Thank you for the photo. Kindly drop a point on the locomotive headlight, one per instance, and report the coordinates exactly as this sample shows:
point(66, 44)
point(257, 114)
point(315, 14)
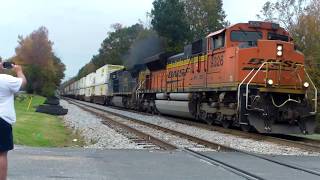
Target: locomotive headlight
point(279, 47)
point(270, 82)
point(279, 53)
point(279, 50)
point(306, 84)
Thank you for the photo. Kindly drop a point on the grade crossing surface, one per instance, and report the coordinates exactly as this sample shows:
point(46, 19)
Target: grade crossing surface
point(66, 163)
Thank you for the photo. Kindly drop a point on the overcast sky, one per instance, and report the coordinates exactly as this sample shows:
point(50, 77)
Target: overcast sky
point(77, 27)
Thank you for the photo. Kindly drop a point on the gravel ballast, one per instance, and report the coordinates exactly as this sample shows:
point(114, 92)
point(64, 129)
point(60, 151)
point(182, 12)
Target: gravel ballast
point(96, 134)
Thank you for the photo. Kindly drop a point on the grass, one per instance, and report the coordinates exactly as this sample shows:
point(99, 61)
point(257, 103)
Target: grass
point(41, 130)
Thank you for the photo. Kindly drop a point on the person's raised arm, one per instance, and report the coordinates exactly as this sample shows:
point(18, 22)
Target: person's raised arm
point(18, 70)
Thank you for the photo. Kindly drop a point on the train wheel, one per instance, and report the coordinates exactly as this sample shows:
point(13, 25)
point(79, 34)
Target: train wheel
point(209, 121)
point(226, 123)
point(205, 117)
point(246, 128)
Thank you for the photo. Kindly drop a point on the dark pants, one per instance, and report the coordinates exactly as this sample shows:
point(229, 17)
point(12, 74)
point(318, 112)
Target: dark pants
point(6, 137)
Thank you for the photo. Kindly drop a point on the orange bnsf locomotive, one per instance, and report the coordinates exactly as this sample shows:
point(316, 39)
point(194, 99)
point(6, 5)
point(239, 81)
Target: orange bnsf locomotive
point(249, 75)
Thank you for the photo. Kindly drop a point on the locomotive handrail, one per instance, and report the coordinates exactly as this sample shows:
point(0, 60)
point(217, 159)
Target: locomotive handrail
point(298, 75)
point(138, 87)
point(238, 104)
point(247, 87)
point(258, 70)
point(315, 93)
point(239, 89)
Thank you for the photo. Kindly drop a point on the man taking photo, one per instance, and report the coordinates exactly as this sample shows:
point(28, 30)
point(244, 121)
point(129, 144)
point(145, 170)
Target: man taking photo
point(8, 86)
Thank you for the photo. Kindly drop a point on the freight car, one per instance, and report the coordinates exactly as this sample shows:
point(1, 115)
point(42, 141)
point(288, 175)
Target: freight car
point(82, 85)
point(91, 88)
point(249, 75)
point(101, 85)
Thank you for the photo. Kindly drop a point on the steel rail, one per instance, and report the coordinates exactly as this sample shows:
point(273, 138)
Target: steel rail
point(224, 165)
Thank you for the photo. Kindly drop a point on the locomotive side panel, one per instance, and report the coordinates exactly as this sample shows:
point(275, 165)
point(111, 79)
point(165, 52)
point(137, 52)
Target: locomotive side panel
point(158, 81)
point(221, 68)
point(198, 76)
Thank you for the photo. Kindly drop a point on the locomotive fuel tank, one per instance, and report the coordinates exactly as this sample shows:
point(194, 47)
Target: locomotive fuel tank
point(162, 96)
point(174, 108)
point(180, 96)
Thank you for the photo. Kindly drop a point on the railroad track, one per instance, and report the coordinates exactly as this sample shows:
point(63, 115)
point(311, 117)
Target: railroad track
point(143, 125)
point(216, 146)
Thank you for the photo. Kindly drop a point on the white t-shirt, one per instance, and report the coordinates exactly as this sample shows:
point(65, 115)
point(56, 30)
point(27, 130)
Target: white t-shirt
point(8, 86)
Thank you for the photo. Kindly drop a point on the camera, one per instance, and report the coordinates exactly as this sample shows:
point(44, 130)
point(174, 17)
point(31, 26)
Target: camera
point(7, 65)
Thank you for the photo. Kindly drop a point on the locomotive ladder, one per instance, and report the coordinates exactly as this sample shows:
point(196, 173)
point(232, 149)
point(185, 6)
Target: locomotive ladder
point(279, 74)
point(138, 88)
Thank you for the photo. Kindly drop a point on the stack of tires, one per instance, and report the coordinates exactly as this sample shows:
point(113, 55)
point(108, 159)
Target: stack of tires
point(52, 106)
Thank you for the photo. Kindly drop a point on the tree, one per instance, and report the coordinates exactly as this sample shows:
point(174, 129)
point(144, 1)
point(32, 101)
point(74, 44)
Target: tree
point(44, 70)
point(59, 69)
point(307, 36)
point(285, 12)
point(204, 16)
point(170, 21)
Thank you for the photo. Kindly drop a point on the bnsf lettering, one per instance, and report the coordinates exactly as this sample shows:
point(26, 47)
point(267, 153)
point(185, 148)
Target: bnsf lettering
point(286, 64)
point(255, 61)
point(217, 60)
point(178, 73)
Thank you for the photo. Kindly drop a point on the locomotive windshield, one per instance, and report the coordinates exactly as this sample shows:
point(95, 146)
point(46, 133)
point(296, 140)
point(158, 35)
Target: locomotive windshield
point(274, 36)
point(246, 36)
